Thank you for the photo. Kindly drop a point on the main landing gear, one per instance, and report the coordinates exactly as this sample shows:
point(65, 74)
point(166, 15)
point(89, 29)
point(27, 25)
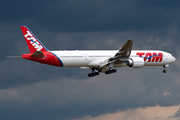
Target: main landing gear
point(93, 73)
point(111, 70)
point(165, 66)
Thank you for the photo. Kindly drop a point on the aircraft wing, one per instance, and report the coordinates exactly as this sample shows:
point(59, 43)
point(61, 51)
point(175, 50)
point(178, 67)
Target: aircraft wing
point(125, 51)
point(121, 56)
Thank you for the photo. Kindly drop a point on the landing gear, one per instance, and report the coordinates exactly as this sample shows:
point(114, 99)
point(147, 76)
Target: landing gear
point(94, 72)
point(111, 70)
point(164, 71)
point(165, 66)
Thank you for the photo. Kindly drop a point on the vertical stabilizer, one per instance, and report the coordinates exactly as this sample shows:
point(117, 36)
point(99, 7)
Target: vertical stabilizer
point(32, 41)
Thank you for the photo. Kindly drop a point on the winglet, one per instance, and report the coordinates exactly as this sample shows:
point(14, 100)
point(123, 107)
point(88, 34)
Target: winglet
point(32, 41)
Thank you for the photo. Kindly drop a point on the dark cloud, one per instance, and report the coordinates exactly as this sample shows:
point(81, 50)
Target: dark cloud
point(105, 16)
point(29, 90)
point(165, 4)
point(67, 98)
point(80, 15)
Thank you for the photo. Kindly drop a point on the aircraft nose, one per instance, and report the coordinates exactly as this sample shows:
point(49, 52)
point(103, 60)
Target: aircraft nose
point(173, 59)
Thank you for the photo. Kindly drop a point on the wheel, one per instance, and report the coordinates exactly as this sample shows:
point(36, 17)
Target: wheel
point(97, 73)
point(94, 74)
point(107, 72)
point(89, 75)
point(111, 71)
point(114, 70)
point(164, 71)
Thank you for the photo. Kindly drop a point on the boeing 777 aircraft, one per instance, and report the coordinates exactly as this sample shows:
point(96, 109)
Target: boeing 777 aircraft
point(104, 61)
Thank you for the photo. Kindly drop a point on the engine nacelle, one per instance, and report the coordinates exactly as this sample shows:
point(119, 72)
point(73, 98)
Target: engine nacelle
point(135, 62)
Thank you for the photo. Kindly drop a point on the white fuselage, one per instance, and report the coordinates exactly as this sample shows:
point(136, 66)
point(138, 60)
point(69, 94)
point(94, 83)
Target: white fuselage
point(93, 58)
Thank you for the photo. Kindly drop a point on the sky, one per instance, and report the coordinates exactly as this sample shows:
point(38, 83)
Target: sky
point(32, 91)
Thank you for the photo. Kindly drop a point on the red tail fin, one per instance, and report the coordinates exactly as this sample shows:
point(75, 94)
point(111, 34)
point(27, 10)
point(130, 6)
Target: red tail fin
point(32, 41)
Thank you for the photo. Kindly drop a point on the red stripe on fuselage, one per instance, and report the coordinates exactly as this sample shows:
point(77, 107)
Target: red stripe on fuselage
point(48, 58)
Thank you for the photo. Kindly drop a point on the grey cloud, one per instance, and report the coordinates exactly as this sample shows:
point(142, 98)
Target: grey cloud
point(165, 4)
point(148, 113)
point(99, 95)
point(80, 15)
point(177, 114)
point(29, 89)
point(106, 16)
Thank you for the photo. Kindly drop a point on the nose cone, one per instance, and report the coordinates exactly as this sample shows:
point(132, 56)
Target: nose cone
point(173, 59)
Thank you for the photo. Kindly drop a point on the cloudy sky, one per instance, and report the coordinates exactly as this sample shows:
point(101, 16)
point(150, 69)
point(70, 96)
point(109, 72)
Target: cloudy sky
point(31, 91)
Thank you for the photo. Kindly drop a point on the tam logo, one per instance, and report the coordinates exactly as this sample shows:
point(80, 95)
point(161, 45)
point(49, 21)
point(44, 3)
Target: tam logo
point(151, 57)
point(33, 41)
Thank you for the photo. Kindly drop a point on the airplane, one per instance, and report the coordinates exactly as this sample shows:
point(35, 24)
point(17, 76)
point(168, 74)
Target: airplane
point(98, 61)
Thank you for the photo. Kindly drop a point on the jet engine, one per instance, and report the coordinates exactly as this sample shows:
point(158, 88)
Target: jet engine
point(136, 62)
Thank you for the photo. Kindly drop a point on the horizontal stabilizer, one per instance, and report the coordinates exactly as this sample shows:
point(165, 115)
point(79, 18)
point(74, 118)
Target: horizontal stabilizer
point(38, 54)
point(13, 57)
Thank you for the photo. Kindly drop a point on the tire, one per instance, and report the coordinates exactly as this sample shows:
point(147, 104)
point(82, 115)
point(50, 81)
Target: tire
point(107, 72)
point(89, 75)
point(114, 70)
point(94, 74)
point(97, 73)
point(164, 71)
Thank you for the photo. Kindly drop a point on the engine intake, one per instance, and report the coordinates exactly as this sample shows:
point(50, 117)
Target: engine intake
point(135, 62)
